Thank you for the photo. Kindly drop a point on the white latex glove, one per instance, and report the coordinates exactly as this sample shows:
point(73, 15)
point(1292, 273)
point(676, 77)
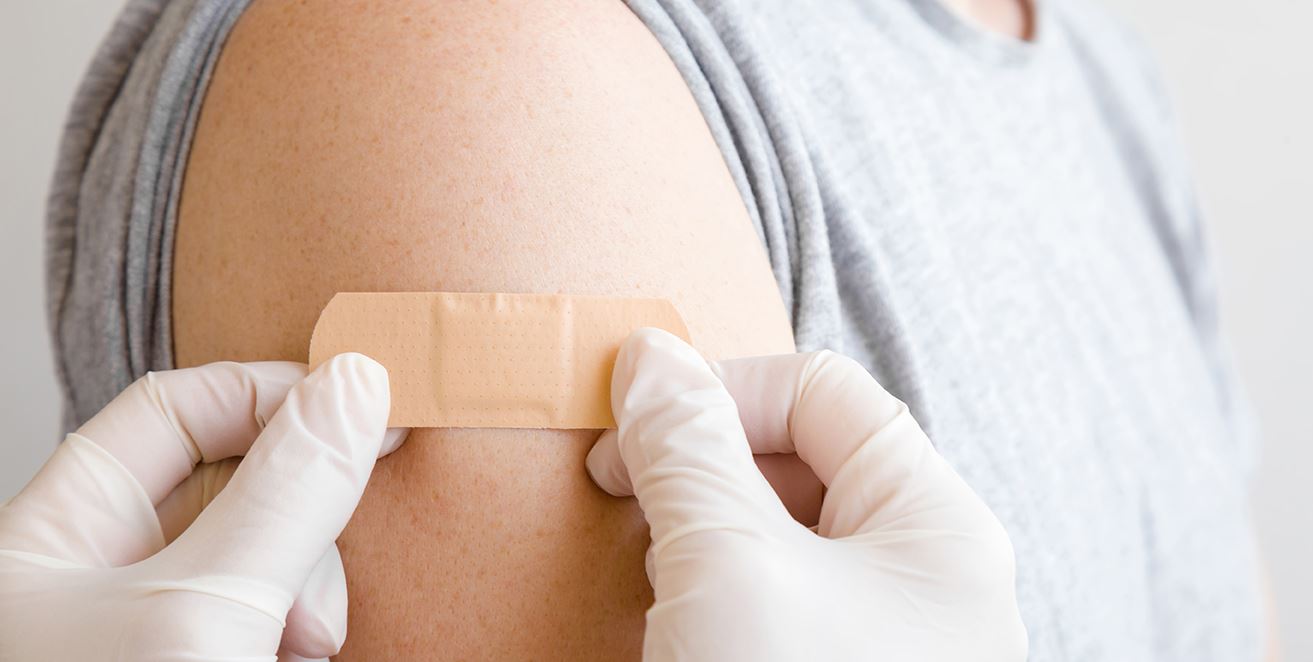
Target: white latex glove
point(87, 569)
point(907, 562)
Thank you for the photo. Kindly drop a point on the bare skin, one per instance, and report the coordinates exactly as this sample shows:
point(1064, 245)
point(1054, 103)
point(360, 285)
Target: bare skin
point(467, 146)
point(1012, 18)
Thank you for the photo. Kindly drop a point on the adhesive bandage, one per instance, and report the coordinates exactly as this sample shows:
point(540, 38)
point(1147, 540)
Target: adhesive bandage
point(491, 360)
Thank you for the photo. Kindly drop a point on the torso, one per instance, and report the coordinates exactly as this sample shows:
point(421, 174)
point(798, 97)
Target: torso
point(1014, 251)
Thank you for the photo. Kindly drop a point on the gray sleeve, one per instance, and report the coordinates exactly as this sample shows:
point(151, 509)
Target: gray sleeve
point(713, 46)
point(113, 201)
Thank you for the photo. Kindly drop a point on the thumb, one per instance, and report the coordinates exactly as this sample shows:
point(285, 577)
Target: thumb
point(292, 495)
point(682, 445)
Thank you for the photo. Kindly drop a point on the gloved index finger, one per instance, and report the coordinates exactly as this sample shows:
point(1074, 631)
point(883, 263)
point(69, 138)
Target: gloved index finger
point(880, 469)
point(765, 388)
point(93, 503)
point(820, 405)
point(293, 493)
point(165, 423)
point(681, 443)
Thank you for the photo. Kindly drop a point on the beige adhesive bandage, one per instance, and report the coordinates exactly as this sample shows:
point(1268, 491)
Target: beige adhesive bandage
point(491, 360)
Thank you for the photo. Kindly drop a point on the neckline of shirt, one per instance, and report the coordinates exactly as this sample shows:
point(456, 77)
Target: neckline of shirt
point(986, 45)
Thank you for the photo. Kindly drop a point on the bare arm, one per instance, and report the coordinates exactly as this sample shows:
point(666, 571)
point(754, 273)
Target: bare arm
point(515, 147)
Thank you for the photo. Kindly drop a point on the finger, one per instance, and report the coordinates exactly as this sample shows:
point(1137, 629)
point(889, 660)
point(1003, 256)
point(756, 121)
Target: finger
point(795, 484)
point(81, 508)
point(316, 624)
point(393, 438)
point(294, 492)
point(285, 656)
point(881, 470)
point(179, 509)
point(763, 390)
point(680, 440)
point(820, 405)
point(605, 466)
point(167, 422)
point(793, 481)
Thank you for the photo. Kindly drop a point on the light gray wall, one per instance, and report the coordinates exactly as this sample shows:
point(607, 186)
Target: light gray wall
point(1242, 77)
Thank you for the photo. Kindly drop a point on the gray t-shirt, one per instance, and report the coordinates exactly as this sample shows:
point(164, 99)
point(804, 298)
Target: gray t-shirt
point(1002, 231)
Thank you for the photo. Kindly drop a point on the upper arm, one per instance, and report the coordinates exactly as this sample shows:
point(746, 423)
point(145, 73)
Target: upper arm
point(478, 147)
point(466, 146)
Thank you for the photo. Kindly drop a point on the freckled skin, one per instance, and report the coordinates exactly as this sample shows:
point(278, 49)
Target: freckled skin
point(465, 146)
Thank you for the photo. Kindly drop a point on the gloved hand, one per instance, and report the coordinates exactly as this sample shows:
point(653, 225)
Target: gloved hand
point(89, 569)
point(907, 562)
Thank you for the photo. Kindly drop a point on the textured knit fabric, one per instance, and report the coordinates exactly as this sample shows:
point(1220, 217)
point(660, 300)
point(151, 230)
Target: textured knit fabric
point(1002, 231)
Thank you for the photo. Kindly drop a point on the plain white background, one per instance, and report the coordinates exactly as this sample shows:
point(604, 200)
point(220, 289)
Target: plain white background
point(1242, 78)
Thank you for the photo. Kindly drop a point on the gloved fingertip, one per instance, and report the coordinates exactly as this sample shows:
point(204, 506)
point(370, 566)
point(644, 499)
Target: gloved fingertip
point(606, 468)
point(350, 382)
point(650, 339)
point(358, 365)
point(393, 438)
point(651, 351)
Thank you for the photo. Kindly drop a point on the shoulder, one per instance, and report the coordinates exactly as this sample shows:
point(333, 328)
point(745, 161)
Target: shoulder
point(425, 55)
point(478, 146)
point(466, 96)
